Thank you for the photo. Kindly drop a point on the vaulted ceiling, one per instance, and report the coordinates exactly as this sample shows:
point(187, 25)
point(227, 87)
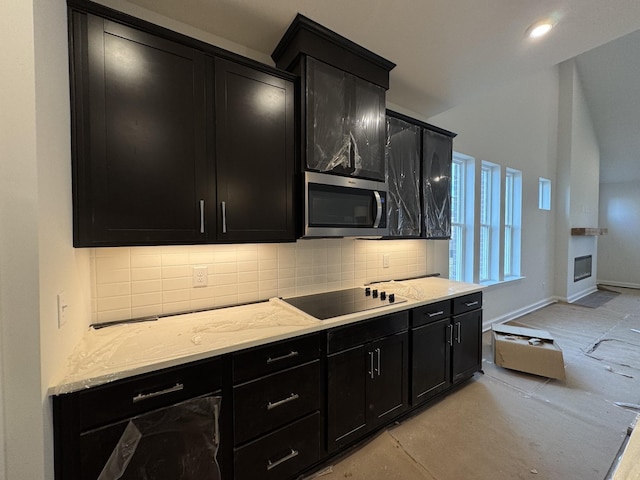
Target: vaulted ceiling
point(448, 51)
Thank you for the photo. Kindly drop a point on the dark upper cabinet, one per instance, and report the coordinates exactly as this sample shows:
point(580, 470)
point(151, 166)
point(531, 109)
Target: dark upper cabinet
point(403, 148)
point(344, 123)
point(436, 183)
point(139, 136)
point(419, 159)
point(343, 89)
point(167, 130)
point(254, 144)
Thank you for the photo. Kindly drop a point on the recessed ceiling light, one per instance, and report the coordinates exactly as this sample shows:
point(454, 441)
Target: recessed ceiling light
point(539, 29)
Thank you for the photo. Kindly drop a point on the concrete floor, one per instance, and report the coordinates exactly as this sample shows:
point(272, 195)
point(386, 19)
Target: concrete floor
point(510, 425)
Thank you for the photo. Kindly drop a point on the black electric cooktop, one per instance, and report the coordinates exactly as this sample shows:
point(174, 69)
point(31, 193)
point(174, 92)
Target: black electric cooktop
point(343, 302)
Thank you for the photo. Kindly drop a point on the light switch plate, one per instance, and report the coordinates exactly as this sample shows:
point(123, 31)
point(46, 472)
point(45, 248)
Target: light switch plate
point(63, 306)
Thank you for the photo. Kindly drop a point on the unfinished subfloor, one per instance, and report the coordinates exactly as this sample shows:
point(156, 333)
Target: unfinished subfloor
point(509, 425)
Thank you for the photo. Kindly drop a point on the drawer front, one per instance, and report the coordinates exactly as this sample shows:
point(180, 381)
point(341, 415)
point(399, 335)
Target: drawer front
point(467, 303)
point(270, 402)
point(430, 313)
point(342, 338)
point(281, 454)
point(129, 397)
point(261, 361)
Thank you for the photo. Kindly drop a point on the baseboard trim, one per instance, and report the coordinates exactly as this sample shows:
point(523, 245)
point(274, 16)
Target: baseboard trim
point(486, 326)
point(613, 283)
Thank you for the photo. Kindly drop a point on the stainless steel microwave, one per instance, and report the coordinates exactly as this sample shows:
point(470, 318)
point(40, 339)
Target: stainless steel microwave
point(337, 206)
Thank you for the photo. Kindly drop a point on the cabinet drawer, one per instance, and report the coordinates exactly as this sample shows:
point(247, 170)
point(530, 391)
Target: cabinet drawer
point(430, 313)
point(129, 397)
point(342, 338)
point(281, 454)
point(272, 401)
point(467, 303)
point(261, 361)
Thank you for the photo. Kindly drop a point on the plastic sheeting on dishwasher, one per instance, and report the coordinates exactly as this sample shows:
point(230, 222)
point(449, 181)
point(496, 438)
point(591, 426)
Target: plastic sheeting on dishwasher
point(179, 442)
point(403, 178)
point(345, 123)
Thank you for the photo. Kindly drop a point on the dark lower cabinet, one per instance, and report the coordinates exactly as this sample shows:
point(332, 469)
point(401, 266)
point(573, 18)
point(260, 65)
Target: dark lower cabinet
point(367, 384)
point(277, 409)
point(158, 426)
point(467, 345)
point(430, 360)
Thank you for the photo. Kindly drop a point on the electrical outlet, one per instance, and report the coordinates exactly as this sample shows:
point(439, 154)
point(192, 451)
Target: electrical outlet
point(200, 276)
point(386, 260)
point(63, 306)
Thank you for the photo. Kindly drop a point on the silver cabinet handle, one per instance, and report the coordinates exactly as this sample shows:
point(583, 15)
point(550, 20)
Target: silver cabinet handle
point(290, 398)
point(371, 364)
point(224, 216)
point(291, 354)
point(216, 432)
point(435, 314)
point(270, 464)
point(471, 304)
point(201, 216)
point(458, 331)
point(450, 329)
point(147, 396)
point(378, 209)
point(378, 354)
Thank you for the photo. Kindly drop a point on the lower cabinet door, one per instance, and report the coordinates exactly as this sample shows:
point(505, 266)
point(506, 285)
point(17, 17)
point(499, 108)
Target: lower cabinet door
point(281, 454)
point(387, 386)
point(347, 396)
point(430, 360)
point(467, 345)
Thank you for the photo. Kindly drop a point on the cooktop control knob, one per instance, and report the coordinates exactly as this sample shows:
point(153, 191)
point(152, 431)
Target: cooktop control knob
point(375, 293)
point(383, 295)
point(367, 291)
point(392, 297)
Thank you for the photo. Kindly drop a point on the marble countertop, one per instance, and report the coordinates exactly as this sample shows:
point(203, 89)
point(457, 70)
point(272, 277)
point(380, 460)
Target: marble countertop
point(124, 350)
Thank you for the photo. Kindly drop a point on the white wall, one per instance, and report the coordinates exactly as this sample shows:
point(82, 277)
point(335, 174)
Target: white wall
point(516, 126)
point(36, 256)
point(618, 258)
point(578, 185)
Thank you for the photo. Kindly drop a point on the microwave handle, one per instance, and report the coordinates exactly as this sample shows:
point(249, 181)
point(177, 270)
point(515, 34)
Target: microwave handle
point(378, 209)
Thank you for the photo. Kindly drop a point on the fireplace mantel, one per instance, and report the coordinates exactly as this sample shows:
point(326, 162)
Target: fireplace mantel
point(589, 231)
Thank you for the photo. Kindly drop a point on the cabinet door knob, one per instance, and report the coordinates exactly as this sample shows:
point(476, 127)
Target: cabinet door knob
point(223, 205)
point(371, 364)
point(201, 216)
point(147, 396)
point(291, 354)
point(378, 355)
point(450, 330)
point(458, 332)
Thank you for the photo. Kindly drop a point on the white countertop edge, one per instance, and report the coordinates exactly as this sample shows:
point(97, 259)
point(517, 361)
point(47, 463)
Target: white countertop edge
point(69, 386)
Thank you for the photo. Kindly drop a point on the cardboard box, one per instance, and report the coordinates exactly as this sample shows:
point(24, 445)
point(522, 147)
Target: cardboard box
point(527, 350)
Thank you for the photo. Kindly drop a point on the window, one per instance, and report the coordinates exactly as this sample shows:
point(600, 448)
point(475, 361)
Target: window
point(544, 194)
point(461, 243)
point(489, 222)
point(512, 222)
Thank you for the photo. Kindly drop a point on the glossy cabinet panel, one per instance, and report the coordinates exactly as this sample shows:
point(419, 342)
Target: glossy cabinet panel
point(436, 186)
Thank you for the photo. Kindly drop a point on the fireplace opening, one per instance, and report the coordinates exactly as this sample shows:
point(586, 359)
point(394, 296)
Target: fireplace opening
point(581, 268)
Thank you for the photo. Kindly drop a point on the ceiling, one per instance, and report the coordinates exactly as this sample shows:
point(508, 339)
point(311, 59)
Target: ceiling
point(448, 51)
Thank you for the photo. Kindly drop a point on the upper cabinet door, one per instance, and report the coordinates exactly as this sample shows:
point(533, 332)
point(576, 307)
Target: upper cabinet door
point(436, 189)
point(404, 211)
point(345, 122)
point(254, 144)
point(139, 137)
